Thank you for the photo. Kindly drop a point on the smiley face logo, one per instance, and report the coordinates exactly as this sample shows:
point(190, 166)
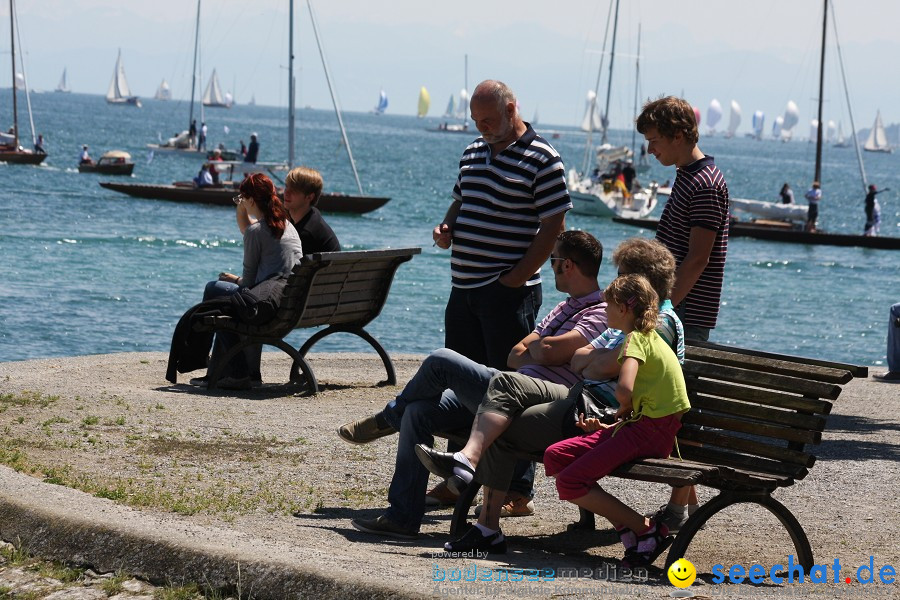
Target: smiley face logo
point(682, 573)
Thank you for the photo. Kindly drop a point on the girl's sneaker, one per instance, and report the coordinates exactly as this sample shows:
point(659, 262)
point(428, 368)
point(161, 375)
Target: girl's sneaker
point(650, 545)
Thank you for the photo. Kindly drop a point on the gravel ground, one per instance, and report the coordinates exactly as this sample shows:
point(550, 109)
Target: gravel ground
point(267, 463)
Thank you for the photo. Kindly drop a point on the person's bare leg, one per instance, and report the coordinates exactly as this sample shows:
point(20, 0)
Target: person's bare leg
point(487, 427)
point(490, 509)
point(600, 502)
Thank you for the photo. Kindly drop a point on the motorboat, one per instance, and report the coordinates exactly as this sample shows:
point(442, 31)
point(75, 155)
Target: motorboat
point(114, 162)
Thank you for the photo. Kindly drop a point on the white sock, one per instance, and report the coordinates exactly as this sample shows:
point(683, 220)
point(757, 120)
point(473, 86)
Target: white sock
point(488, 532)
point(462, 473)
point(677, 510)
point(692, 508)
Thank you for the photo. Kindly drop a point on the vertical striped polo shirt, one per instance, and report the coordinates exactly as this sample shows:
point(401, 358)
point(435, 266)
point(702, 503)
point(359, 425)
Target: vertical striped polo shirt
point(503, 200)
point(699, 199)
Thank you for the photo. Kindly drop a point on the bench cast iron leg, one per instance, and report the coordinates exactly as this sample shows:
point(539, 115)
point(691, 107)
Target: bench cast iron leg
point(388, 365)
point(726, 499)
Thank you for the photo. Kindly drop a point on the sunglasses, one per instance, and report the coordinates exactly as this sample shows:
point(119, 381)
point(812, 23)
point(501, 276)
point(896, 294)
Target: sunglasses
point(238, 199)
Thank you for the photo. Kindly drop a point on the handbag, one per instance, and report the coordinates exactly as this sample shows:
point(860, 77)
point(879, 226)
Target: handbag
point(595, 402)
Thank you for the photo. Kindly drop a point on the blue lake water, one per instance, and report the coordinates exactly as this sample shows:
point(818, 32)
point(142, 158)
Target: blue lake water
point(90, 271)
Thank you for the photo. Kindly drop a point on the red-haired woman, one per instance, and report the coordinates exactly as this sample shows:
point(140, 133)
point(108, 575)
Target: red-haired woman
point(271, 249)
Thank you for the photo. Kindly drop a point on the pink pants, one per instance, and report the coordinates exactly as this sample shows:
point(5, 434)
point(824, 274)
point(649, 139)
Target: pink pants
point(579, 462)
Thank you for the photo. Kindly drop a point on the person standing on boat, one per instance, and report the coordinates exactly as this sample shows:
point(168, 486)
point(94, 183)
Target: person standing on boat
point(201, 143)
point(873, 211)
point(787, 194)
point(694, 227)
point(192, 133)
point(509, 204)
point(39, 145)
point(243, 150)
point(85, 158)
point(813, 196)
point(253, 150)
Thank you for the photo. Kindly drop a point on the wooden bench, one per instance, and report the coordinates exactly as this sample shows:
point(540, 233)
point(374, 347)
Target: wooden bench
point(343, 290)
point(754, 418)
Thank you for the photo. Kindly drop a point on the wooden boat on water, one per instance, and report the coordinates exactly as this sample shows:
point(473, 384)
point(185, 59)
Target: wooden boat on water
point(222, 194)
point(785, 232)
point(114, 162)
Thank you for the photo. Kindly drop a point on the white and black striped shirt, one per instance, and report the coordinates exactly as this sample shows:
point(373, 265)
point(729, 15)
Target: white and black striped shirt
point(503, 200)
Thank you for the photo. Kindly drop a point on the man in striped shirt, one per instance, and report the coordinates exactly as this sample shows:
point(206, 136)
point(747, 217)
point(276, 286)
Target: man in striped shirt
point(448, 388)
point(694, 223)
point(509, 204)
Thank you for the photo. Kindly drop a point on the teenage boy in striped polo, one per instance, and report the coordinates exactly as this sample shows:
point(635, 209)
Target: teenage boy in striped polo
point(694, 227)
point(509, 204)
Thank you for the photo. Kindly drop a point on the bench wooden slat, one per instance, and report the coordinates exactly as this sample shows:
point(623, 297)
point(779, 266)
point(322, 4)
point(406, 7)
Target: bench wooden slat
point(750, 463)
point(788, 434)
point(774, 381)
point(759, 396)
point(763, 414)
point(752, 447)
point(855, 370)
point(768, 365)
point(659, 474)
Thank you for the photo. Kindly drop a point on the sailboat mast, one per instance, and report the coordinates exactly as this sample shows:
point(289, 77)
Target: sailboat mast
point(194, 71)
point(818, 175)
point(291, 115)
point(612, 61)
point(593, 107)
point(12, 44)
point(337, 110)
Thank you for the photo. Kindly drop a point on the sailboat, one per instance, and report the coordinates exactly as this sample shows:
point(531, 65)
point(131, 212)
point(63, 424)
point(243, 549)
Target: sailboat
point(841, 141)
point(713, 115)
point(603, 191)
point(183, 142)
point(10, 151)
point(877, 141)
point(424, 103)
point(458, 110)
point(163, 92)
point(382, 103)
point(798, 212)
point(213, 95)
point(63, 85)
point(758, 122)
point(119, 92)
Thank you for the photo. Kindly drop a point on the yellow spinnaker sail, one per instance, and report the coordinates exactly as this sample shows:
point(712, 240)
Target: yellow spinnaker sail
point(424, 102)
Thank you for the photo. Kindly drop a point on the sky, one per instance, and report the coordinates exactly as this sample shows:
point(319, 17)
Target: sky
point(761, 53)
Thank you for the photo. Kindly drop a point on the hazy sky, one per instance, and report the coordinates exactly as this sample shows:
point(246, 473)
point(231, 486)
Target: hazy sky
point(761, 53)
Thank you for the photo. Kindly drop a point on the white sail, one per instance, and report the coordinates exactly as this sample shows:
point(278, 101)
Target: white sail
point(813, 130)
point(790, 119)
point(840, 142)
point(118, 88)
point(63, 85)
point(830, 130)
point(213, 95)
point(462, 108)
point(734, 120)
point(877, 141)
point(591, 120)
point(163, 92)
point(759, 120)
point(713, 114)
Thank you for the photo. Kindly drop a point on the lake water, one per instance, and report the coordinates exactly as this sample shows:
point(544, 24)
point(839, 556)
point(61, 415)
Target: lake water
point(89, 271)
